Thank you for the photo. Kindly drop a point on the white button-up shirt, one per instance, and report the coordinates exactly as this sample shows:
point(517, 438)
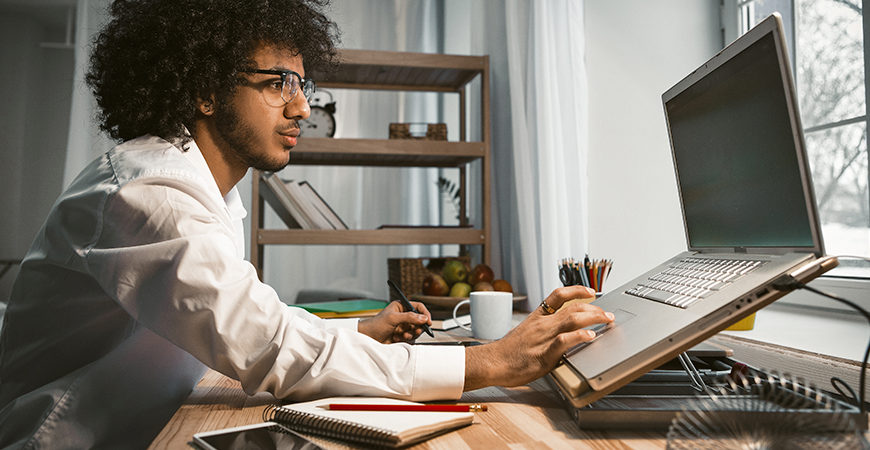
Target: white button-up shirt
point(137, 283)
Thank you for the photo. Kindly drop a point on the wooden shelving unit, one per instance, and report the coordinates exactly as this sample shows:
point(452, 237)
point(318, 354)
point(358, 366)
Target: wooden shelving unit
point(395, 71)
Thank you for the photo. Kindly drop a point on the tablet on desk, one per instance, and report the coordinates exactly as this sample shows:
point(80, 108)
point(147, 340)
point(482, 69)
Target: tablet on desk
point(262, 436)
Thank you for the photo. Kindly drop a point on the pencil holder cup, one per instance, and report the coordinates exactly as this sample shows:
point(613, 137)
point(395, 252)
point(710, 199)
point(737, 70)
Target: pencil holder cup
point(491, 314)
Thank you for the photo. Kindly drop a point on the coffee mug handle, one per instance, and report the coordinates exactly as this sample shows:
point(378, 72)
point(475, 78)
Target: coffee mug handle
point(456, 308)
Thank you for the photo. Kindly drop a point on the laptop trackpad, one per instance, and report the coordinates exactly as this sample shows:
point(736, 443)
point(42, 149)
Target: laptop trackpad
point(621, 316)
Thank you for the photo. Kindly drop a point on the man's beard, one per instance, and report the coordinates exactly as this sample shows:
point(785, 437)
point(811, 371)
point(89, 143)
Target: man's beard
point(242, 143)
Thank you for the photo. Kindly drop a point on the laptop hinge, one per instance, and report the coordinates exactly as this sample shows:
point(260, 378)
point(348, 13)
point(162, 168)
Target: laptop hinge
point(739, 249)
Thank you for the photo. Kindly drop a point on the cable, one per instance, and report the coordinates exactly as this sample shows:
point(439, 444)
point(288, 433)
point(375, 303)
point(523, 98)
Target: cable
point(789, 283)
point(862, 383)
point(836, 382)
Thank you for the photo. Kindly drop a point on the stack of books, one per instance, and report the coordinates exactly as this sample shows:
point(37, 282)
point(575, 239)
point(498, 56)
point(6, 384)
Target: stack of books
point(298, 204)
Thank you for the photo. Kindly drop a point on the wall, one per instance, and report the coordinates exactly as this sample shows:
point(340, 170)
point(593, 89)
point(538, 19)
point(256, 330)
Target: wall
point(635, 51)
point(35, 91)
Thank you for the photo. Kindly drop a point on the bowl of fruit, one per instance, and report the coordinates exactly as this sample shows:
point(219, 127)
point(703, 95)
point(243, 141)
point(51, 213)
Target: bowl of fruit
point(456, 282)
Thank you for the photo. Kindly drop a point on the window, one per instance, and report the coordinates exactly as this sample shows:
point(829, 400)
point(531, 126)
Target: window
point(826, 46)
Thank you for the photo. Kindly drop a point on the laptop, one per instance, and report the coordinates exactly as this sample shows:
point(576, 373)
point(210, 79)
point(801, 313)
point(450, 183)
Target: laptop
point(749, 213)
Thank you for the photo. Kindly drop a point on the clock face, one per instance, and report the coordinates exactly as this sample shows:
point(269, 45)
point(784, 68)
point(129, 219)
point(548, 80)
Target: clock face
point(320, 123)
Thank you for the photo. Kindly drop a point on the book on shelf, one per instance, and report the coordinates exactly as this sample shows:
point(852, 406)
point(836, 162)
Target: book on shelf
point(391, 429)
point(298, 204)
point(307, 207)
point(322, 206)
point(275, 192)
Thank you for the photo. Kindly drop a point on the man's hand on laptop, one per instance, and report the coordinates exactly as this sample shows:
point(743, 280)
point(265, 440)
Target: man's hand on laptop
point(534, 347)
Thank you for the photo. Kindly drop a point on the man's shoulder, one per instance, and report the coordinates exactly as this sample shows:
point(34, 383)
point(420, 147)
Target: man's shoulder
point(149, 156)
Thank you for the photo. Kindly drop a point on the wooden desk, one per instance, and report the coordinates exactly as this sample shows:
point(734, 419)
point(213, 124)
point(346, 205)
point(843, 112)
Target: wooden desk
point(524, 417)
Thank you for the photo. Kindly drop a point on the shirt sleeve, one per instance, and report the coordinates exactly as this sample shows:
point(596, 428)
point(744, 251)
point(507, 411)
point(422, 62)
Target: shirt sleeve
point(350, 324)
point(166, 255)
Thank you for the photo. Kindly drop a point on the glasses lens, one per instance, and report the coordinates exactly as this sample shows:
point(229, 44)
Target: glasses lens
point(291, 87)
point(308, 89)
point(273, 93)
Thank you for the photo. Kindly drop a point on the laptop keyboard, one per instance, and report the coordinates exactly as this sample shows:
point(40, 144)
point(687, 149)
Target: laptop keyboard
point(692, 279)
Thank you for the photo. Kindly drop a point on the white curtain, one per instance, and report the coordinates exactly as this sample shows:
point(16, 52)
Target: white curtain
point(551, 76)
point(85, 140)
point(539, 129)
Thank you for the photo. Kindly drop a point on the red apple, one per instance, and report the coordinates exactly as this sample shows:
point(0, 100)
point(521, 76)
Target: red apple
point(435, 285)
point(480, 272)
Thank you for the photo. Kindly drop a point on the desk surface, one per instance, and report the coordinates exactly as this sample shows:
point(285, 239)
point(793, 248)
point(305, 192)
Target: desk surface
point(530, 416)
point(518, 418)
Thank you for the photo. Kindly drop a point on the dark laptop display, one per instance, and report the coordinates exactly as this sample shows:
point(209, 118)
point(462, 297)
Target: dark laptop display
point(739, 177)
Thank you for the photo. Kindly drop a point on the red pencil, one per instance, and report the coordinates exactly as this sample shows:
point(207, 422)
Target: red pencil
point(440, 408)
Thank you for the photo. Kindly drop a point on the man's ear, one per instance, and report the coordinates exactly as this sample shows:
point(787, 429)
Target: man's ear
point(206, 106)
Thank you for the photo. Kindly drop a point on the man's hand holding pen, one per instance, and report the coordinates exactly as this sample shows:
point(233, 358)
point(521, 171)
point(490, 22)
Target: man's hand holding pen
point(396, 324)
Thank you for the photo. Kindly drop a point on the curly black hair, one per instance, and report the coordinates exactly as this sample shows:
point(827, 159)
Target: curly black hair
point(156, 58)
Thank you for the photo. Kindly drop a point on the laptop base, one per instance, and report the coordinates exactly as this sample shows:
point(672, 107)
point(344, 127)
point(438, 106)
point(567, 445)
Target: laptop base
point(653, 401)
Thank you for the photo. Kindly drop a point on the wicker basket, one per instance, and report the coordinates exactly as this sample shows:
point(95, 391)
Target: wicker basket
point(409, 273)
point(434, 131)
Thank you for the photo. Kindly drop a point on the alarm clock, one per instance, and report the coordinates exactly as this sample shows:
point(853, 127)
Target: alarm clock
point(321, 122)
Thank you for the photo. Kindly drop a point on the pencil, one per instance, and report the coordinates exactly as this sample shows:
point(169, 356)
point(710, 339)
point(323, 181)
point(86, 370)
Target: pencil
point(438, 408)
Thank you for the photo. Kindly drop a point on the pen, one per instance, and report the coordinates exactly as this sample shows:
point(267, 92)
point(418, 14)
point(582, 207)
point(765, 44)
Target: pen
point(407, 305)
point(436, 408)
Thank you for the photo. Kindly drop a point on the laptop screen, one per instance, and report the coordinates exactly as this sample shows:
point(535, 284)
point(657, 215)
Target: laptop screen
point(737, 159)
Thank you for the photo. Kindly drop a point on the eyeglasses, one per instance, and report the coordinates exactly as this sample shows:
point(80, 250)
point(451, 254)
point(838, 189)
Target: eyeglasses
point(283, 93)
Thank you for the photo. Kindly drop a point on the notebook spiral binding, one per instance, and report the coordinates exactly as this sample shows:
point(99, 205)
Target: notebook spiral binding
point(328, 427)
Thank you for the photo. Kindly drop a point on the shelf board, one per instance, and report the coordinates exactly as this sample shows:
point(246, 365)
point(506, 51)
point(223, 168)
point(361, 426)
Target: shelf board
point(391, 236)
point(385, 152)
point(402, 71)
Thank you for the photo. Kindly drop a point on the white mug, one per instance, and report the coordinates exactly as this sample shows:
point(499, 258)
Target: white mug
point(491, 314)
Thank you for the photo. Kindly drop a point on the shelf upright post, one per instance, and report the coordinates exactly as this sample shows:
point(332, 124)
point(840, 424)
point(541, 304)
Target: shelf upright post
point(486, 163)
point(257, 218)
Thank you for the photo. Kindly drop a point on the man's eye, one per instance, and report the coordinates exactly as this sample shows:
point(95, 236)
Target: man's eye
point(276, 85)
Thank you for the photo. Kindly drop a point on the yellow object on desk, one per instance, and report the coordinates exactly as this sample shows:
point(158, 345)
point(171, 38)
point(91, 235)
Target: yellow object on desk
point(745, 324)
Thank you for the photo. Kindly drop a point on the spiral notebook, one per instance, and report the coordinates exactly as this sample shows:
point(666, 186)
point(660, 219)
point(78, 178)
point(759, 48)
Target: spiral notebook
point(378, 428)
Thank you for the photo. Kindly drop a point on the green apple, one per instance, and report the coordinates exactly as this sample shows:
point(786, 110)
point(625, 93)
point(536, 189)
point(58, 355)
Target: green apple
point(460, 289)
point(454, 272)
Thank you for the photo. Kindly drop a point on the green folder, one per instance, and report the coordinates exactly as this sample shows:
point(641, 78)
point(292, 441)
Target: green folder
point(344, 308)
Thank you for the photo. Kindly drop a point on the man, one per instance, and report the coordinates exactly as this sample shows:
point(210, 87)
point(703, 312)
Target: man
point(136, 283)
